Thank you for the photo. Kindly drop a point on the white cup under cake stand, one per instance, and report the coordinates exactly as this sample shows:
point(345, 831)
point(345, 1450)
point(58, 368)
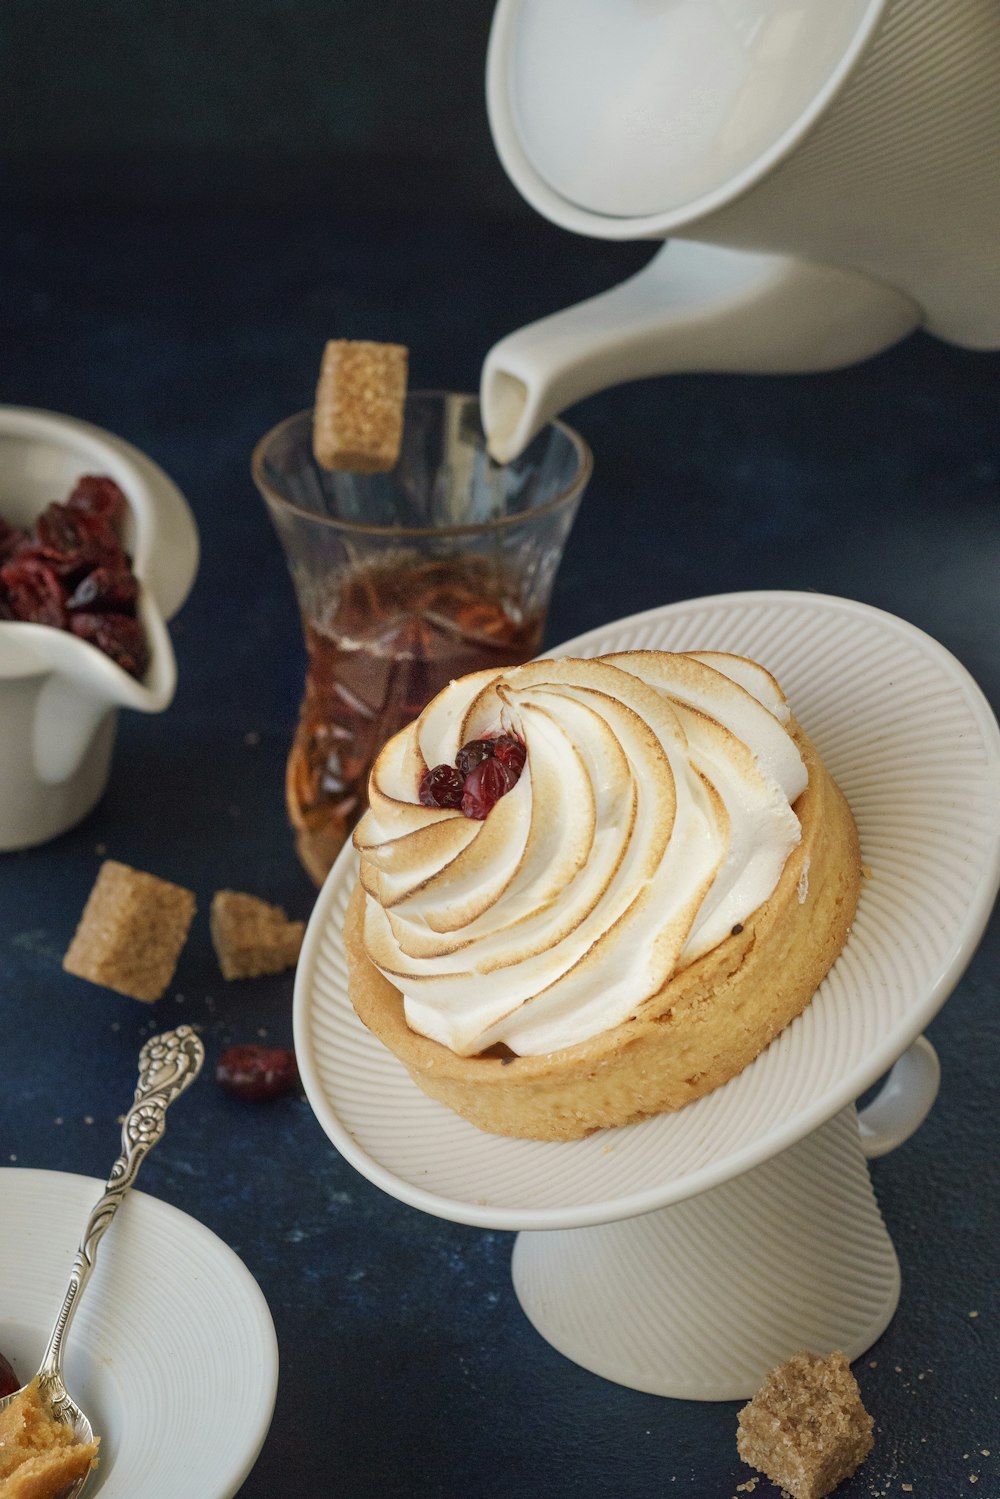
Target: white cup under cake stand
point(687, 1255)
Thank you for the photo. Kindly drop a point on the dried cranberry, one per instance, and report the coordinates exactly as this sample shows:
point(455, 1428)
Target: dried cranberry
point(510, 752)
point(257, 1072)
point(61, 539)
point(9, 1381)
point(112, 589)
point(441, 787)
point(100, 499)
point(34, 593)
point(484, 786)
point(473, 754)
point(117, 635)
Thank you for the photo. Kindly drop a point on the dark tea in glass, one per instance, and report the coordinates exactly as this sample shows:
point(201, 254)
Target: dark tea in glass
point(406, 580)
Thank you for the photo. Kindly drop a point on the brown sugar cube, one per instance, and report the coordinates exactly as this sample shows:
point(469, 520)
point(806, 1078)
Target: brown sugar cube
point(252, 938)
point(131, 932)
point(806, 1428)
point(358, 417)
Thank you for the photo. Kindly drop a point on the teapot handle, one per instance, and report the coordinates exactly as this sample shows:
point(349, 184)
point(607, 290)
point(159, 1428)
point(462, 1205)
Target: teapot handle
point(692, 307)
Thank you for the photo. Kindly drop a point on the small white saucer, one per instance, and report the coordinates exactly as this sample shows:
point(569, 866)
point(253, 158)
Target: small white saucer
point(172, 1352)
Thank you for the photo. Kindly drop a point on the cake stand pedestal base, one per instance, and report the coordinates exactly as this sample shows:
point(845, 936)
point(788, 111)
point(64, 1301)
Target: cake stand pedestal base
point(699, 1300)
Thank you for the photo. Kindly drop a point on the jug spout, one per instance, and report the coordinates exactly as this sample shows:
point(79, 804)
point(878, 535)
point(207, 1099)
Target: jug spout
point(693, 307)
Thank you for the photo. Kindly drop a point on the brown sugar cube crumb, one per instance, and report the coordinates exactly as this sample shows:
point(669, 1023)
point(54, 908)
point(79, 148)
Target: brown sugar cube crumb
point(131, 932)
point(252, 938)
point(39, 1455)
point(806, 1428)
point(358, 417)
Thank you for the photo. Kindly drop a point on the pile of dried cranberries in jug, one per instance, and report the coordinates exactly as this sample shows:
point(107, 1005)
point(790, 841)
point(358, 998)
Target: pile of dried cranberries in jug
point(71, 570)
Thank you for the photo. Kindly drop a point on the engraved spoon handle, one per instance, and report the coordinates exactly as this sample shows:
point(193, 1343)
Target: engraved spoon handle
point(167, 1065)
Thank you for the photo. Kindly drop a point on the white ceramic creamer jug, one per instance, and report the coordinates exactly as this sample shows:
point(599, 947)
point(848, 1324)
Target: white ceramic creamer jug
point(60, 695)
point(828, 172)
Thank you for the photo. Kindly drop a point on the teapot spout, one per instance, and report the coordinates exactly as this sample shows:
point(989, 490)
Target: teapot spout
point(693, 307)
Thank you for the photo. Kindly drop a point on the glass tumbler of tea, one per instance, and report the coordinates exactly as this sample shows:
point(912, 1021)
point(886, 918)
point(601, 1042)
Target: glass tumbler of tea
point(404, 580)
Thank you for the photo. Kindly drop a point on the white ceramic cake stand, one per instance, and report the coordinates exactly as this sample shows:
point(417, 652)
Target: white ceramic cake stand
point(688, 1254)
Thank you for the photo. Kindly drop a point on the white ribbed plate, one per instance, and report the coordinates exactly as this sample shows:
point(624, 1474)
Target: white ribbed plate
point(172, 1352)
point(913, 743)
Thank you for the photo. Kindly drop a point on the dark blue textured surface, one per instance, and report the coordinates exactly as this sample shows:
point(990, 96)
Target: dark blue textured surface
point(400, 1333)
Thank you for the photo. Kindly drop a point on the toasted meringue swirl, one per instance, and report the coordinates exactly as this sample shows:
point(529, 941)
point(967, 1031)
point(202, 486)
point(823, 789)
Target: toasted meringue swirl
point(654, 814)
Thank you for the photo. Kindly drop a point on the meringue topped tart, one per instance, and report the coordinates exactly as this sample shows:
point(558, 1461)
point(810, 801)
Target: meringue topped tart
point(594, 890)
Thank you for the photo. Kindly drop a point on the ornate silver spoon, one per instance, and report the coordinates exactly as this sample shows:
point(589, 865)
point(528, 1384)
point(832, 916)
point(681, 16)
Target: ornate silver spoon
point(167, 1064)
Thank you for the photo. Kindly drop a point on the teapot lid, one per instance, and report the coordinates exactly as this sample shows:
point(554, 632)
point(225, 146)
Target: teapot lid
point(631, 108)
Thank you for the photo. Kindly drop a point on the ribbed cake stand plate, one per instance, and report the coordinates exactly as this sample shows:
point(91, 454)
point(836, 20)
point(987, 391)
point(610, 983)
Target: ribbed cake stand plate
point(688, 1254)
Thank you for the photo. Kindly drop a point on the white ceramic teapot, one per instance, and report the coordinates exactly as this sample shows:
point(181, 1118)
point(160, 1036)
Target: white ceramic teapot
point(828, 172)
